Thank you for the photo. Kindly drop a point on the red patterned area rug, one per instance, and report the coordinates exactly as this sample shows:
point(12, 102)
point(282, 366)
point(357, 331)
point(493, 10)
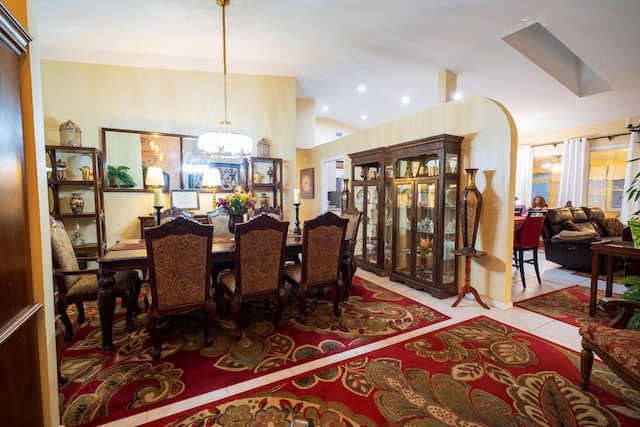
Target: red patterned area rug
point(105, 386)
point(477, 373)
point(569, 305)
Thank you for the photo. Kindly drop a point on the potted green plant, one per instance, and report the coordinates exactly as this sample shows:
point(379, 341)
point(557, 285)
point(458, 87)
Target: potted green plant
point(632, 294)
point(118, 176)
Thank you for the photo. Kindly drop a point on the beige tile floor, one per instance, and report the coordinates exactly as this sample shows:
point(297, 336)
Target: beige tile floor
point(553, 278)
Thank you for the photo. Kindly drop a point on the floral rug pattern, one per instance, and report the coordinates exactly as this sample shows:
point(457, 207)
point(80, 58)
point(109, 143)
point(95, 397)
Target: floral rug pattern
point(477, 373)
point(108, 385)
point(569, 305)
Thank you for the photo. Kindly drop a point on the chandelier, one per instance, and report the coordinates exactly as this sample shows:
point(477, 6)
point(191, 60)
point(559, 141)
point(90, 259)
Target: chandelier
point(224, 142)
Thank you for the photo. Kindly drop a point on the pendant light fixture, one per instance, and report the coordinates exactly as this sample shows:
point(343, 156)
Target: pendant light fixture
point(224, 142)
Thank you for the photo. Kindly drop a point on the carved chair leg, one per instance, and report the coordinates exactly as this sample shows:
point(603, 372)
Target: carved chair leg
point(61, 307)
point(336, 302)
point(152, 328)
point(235, 312)
point(586, 363)
point(59, 346)
point(303, 305)
point(80, 308)
point(282, 300)
point(128, 297)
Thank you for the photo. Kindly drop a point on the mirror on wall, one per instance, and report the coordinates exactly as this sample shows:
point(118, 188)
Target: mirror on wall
point(128, 154)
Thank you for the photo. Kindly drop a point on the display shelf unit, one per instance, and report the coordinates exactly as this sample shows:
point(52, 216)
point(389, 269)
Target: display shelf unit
point(63, 182)
point(264, 176)
point(425, 212)
point(371, 190)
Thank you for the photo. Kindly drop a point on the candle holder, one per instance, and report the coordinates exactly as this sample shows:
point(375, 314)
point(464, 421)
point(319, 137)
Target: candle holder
point(296, 229)
point(158, 209)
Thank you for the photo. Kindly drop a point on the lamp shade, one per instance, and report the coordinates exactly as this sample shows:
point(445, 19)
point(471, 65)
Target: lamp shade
point(211, 178)
point(155, 177)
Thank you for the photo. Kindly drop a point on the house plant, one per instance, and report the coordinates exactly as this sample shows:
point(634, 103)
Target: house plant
point(632, 294)
point(118, 176)
point(236, 205)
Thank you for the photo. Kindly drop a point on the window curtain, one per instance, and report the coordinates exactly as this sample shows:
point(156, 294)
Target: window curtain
point(574, 180)
point(524, 174)
point(632, 168)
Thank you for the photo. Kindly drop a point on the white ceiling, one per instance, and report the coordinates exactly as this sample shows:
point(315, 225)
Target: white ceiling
point(395, 48)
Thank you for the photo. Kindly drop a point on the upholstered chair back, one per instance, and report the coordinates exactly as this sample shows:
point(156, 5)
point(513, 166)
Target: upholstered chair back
point(64, 256)
point(220, 221)
point(322, 248)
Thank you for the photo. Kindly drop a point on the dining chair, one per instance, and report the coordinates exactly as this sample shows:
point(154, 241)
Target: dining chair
point(220, 221)
point(180, 260)
point(354, 216)
point(527, 238)
point(269, 210)
point(257, 274)
point(322, 241)
point(74, 286)
point(173, 213)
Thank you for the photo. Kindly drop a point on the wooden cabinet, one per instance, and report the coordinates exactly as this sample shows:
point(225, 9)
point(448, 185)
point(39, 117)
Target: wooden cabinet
point(425, 211)
point(371, 189)
point(78, 171)
point(264, 180)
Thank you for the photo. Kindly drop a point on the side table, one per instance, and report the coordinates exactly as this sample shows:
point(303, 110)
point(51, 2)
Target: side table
point(467, 276)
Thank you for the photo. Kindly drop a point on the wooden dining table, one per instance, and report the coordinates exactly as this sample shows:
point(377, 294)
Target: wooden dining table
point(131, 254)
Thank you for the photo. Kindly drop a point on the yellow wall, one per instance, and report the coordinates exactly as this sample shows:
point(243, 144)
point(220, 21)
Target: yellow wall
point(489, 145)
point(179, 102)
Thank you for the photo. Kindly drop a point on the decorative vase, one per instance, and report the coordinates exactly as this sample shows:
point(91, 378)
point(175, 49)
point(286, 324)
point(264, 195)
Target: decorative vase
point(233, 220)
point(634, 226)
point(344, 196)
point(76, 203)
point(470, 205)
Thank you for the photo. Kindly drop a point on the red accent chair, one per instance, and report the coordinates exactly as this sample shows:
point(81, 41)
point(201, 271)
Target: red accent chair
point(527, 238)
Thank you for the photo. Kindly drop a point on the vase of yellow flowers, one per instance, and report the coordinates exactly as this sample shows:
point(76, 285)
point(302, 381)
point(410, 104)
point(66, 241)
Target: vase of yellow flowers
point(236, 205)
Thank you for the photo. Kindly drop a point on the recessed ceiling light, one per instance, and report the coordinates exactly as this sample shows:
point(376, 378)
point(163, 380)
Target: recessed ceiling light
point(457, 95)
point(363, 117)
point(405, 100)
point(362, 88)
point(325, 108)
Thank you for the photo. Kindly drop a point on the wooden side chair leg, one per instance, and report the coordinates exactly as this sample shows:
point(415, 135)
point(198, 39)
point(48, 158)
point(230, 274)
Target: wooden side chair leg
point(586, 364)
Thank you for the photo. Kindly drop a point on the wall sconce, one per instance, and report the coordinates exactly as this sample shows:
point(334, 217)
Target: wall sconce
point(155, 179)
point(211, 179)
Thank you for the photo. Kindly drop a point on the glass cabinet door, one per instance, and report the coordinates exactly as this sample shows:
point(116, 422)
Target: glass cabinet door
point(372, 223)
point(358, 203)
point(388, 224)
point(450, 217)
point(426, 212)
point(403, 228)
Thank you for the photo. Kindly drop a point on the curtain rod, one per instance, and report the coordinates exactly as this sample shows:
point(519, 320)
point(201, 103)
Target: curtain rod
point(588, 139)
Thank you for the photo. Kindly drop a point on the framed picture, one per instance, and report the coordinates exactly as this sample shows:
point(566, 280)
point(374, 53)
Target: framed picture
point(306, 183)
point(229, 175)
point(187, 200)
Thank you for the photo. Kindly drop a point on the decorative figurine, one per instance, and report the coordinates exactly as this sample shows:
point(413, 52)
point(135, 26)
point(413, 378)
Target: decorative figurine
point(271, 174)
point(61, 170)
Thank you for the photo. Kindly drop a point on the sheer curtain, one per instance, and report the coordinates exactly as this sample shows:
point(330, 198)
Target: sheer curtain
point(632, 168)
point(574, 179)
point(524, 174)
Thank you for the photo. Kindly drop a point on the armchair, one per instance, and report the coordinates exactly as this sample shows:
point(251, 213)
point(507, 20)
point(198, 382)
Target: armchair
point(619, 348)
point(322, 241)
point(75, 286)
point(180, 261)
point(257, 273)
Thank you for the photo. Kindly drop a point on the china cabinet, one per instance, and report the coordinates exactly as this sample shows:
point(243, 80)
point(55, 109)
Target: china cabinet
point(372, 180)
point(75, 195)
point(425, 209)
point(264, 180)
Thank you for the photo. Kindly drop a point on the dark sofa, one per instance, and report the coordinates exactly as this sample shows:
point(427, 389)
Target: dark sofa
point(569, 232)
